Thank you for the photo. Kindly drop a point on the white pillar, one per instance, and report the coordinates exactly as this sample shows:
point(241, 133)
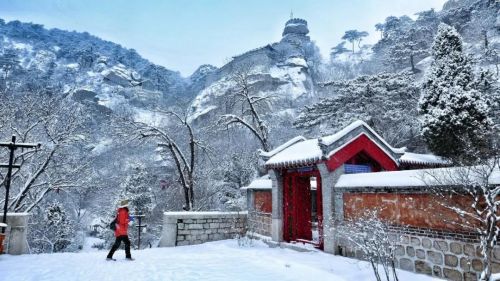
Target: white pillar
point(169, 231)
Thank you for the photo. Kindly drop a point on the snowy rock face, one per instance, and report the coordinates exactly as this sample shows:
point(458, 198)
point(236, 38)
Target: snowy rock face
point(282, 69)
point(120, 75)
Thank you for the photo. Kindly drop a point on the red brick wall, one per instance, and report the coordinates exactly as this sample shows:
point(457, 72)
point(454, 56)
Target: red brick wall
point(263, 201)
point(406, 209)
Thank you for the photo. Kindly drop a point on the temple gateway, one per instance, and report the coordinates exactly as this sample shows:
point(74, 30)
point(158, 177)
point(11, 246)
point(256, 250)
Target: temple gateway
point(314, 186)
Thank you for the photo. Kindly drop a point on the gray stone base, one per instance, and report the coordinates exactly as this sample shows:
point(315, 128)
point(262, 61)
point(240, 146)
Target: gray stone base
point(259, 223)
point(16, 236)
point(449, 259)
point(191, 228)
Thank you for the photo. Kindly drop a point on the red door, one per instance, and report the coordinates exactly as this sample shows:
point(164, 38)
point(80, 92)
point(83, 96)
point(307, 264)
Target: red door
point(303, 227)
point(288, 208)
point(297, 207)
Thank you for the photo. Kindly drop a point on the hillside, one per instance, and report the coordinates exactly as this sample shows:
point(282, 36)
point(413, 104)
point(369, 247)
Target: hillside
point(113, 124)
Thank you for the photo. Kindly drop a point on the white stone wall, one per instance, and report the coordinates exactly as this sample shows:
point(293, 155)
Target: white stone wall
point(190, 228)
point(16, 236)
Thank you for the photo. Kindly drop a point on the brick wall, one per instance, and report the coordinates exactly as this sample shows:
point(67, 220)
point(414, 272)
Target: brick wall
point(190, 228)
point(263, 201)
point(425, 234)
point(420, 210)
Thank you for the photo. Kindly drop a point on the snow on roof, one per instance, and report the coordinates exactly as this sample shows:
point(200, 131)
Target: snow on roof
point(335, 137)
point(265, 183)
point(296, 152)
point(416, 178)
point(416, 158)
point(282, 147)
point(260, 183)
point(304, 151)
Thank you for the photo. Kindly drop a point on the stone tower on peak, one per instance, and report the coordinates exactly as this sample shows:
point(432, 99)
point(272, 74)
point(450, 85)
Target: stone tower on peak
point(296, 26)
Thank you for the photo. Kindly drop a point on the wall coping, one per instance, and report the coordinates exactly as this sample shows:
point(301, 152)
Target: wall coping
point(16, 214)
point(203, 215)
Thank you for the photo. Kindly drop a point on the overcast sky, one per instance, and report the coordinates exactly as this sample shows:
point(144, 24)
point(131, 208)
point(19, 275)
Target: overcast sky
point(183, 34)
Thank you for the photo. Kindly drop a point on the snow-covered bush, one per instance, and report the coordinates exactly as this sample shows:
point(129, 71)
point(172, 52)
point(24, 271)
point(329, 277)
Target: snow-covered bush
point(55, 231)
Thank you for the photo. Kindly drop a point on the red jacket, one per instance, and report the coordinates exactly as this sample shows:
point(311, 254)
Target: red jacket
point(122, 221)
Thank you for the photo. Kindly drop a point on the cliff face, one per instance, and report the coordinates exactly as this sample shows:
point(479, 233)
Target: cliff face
point(283, 69)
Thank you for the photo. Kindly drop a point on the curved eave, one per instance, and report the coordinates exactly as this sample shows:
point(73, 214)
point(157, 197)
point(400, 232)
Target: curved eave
point(294, 164)
point(420, 163)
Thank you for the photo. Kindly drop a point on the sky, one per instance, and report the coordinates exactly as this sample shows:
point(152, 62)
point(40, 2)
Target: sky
point(184, 34)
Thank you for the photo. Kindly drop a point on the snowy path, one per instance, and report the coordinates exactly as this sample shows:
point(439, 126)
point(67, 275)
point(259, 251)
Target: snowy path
point(223, 260)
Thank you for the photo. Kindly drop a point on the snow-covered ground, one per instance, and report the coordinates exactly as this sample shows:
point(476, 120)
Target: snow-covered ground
point(222, 260)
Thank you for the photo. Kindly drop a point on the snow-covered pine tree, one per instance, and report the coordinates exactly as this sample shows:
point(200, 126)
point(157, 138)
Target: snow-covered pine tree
point(57, 231)
point(455, 121)
point(354, 36)
point(408, 47)
point(386, 101)
point(137, 189)
point(337, 50)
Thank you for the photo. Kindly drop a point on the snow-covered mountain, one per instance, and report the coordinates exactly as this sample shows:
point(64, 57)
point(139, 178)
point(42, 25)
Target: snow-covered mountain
point(285, 69)
point(379, 84)
point(90, 69)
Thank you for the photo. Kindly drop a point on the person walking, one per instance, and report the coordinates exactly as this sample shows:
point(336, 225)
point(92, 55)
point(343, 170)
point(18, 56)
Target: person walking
point(121, 229)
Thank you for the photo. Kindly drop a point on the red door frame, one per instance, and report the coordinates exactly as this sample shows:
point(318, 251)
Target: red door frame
point(294, 206)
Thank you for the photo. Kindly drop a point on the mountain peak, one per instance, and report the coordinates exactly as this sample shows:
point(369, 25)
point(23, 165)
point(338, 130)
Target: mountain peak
point(296, 26)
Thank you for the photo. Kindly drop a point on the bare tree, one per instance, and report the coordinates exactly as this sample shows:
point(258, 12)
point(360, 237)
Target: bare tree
point(56, 124)
point(185, 159)
point(371, 235)
point(472, 193)
point(251, 104)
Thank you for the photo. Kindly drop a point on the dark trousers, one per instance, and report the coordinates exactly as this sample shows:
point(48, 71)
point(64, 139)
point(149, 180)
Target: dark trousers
point(115, 247)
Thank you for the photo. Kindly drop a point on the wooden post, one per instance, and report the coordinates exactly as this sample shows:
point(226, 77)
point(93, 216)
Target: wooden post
point(139, 229)
point(12, 147)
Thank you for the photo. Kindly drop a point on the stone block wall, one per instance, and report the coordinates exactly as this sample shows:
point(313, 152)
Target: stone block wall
point(426, 235)
point(452, 257)
point(190, 228)
point(260, 223)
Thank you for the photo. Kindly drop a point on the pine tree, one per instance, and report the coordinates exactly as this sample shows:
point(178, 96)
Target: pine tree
point(137, 189)
point(408, 47)
point(455, 120)
point(58, 228)
point(337, 50)
point(354, 36)
point(386, 101)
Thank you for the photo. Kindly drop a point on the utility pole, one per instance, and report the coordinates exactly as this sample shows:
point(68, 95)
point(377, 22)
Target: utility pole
point(12, 146)
point(139, 216)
